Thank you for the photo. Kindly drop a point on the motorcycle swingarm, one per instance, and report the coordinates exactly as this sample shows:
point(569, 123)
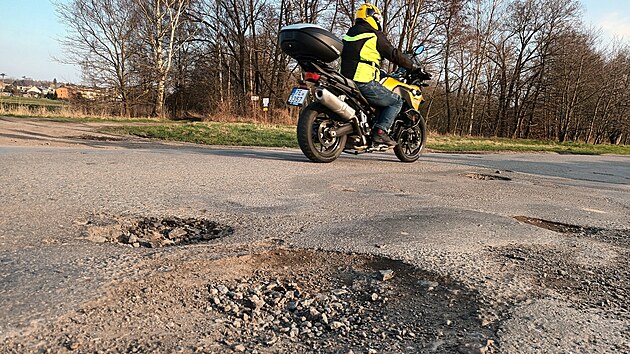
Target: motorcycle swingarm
point(341, 130)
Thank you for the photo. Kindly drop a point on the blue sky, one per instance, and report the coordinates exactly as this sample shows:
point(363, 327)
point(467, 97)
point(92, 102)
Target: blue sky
point(28, 41)
point(612, 16)
point(29, 30)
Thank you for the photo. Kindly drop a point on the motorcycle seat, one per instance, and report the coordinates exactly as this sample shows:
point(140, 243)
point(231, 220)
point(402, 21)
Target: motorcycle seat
point(345, 84)
point(351, 86)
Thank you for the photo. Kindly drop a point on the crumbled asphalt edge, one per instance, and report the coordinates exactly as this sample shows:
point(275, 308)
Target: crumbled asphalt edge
point(591, 286)
point(154, 232)
point(97, 137)
point(487, 177)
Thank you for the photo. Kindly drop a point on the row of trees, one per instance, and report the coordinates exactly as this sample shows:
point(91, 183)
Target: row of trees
point(513, 68)
point(530, 69)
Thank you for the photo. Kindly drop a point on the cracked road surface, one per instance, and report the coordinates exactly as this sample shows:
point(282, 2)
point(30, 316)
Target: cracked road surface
point(537, 290)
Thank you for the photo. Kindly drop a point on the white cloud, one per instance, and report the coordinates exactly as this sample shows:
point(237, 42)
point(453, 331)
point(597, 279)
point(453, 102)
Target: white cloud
point(616, 24)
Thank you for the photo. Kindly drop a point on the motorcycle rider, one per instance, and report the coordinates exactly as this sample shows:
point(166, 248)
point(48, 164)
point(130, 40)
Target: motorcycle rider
point(363, 47)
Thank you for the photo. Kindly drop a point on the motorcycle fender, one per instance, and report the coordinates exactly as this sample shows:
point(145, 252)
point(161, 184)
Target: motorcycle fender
point(406, 119)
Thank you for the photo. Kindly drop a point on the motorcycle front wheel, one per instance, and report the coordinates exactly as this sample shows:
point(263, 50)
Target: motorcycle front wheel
point(411, 141)
point(313, 135)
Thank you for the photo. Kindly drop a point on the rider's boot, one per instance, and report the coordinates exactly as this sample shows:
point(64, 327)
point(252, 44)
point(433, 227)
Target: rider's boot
point(379, 136)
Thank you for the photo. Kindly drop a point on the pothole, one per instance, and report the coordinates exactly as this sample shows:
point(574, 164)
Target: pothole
point(556, 226)
point(279, 301)
point(619, 237)
point(487, 177)
point(152, 232)
point(97, 137)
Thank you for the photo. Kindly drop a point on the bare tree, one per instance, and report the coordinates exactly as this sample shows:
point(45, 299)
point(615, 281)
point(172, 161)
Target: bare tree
point(452, 12)
point(159, 25)
point(484, 27)
point(99, 38)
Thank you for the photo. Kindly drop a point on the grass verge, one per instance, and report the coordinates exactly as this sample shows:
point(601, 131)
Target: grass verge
point(473, 144)
point(238, 134)
point(249, 134)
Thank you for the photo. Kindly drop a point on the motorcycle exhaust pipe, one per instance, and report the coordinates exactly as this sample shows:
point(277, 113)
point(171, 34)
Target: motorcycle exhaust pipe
point(332, 102)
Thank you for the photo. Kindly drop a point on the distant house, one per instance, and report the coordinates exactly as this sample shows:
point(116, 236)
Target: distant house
point(70, 92)
point(5, 89)
point(46, 90)
point(93, 93)
point(34, 92)
point(63, 93)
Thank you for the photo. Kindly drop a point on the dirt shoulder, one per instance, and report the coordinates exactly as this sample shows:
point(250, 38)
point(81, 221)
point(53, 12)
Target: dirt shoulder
point(47, 132)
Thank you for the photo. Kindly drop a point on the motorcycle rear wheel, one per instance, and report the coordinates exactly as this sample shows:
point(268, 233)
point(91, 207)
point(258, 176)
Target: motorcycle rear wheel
point(312, 134)
point(411, 142)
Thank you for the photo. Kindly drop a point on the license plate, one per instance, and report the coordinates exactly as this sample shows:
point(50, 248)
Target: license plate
point(297, 97)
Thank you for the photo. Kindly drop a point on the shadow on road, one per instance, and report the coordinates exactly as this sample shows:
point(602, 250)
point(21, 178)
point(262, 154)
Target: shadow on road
point(264, 153)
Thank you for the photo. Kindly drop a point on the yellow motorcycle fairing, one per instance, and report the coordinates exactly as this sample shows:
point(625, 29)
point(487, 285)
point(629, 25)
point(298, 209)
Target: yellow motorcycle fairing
point(410, 93)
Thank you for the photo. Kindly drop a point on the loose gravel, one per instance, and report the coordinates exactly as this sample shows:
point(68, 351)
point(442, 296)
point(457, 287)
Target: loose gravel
point(279, 301)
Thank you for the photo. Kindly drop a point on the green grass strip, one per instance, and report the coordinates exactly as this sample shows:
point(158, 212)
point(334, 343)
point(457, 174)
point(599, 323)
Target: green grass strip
point(472, 144)
point(237, 134)
point(248, 134)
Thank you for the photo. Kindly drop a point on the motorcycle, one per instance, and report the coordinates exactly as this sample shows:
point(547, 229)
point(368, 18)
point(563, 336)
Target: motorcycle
point(338, 118)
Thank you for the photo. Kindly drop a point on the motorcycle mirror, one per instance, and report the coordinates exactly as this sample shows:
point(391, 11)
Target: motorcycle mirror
point(419, 49)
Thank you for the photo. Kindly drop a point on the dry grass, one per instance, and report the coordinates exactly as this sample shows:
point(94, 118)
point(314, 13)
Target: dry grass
point(44, 111)
point(64, 113)
point(57, 109)
point(39, 111)
point(280, 116)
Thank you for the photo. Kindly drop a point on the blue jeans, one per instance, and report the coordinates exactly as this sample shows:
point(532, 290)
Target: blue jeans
point(387, 103)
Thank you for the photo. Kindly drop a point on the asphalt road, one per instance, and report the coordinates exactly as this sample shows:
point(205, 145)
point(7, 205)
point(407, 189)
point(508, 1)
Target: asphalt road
point(431, 214)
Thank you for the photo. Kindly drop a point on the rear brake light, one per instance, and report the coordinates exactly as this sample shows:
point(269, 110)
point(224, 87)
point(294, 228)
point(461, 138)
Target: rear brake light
point(311, 77)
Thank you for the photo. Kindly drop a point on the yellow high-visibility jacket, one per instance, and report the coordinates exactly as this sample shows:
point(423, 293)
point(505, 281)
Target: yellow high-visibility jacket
point(363, 49)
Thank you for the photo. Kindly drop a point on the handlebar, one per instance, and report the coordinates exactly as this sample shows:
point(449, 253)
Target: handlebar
point(418, 75)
